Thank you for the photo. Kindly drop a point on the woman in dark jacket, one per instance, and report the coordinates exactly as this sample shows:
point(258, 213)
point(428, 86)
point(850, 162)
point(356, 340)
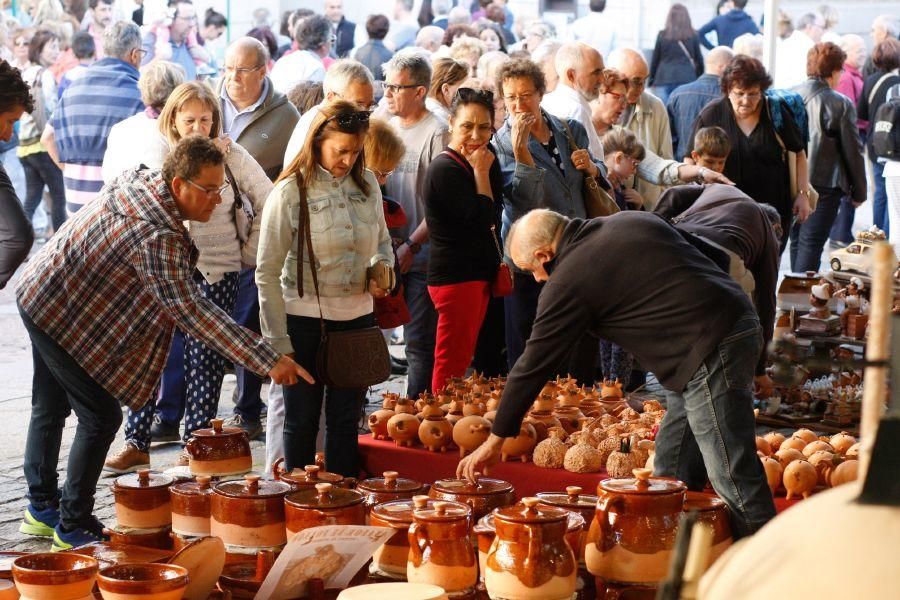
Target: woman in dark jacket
point(676, 57)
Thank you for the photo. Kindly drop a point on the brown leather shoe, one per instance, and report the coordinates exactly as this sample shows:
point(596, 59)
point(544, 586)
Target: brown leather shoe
point(127, 460)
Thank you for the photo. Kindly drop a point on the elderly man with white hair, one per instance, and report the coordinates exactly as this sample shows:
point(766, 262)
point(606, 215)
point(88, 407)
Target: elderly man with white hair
point(883, 27)
point(430, 38)
point(545, 57)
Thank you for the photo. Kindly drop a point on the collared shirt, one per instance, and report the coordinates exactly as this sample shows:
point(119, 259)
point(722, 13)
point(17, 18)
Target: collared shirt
point(649, 122)
point(567, 103)
point(295, 68)
point(112, 285)
point(181, 55)
point(234, 121)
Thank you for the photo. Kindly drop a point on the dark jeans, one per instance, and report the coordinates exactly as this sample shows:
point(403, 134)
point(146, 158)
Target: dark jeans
point(16, 235)
point(303, 403)
point(40, 170)
point(808, 239)
point(170, 399)
point(60, 386)
point(709, 430)
point(879, 199)
point(419, 333)
point(842, 230)
point(246, 313)
point(490, 351)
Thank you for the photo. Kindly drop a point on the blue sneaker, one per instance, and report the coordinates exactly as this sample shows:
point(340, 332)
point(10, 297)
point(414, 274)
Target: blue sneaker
point(40, 522)
point(85, 534)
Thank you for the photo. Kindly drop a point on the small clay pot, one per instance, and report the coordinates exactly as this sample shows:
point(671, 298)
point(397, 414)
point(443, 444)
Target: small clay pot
point(190, 506)
point(440, 548)
point(55, 576)
point(387, 488)
point(219, 451)
point(249, 513)
point(142, 500)
point(146, 581)
point(391, 558)
point(160, 537)
point(243, 579)
point(482, 497)
point(470, 432)
point(378, 421)
point(436, 433)
point(323, 505)
point(569, 417)
point(519, 447)
point(307, 477)
point(404, 429)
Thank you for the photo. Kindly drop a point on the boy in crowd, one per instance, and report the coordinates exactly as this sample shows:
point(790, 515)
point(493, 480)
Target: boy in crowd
point(622, 153)
point(711, 148)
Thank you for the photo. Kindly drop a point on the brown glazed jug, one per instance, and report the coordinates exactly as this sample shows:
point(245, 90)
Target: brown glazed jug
point(633, 533)
point(573, 501)
point(391, 558)
point(440, 548)
point(142, 500)
point(530, 558)
point(219, 451)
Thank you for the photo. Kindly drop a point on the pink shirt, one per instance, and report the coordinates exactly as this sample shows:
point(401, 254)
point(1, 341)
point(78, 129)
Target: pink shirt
point(851, 85)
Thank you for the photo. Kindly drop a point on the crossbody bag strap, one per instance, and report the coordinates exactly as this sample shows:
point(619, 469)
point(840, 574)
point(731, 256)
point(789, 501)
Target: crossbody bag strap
point(687, 53)
point(234, 187)
point(877, 86)
point(304, 231)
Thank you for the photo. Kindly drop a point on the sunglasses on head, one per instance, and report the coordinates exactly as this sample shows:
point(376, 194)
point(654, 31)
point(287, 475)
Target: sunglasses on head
point(471, 95)
point(352, 120)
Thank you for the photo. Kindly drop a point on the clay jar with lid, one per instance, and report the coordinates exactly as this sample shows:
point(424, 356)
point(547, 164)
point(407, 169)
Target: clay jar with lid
point(530, 557)
point(632, 536)
point(713, 512)
point(190, 506)
point(390, 559)
point(249, 513)
point(440, 548)
point(219, 451)
point(142, 500)
point(323, 505)
point(387, 488)
point(305, 478)
point(573, 501)
point(483, 496)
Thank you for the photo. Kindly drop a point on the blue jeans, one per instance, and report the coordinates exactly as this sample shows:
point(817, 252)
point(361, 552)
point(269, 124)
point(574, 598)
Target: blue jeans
point(419, 333)
point(842, 230)
point(709, 430)
point(246, 313)
point(40, 170)
point(60, 386)
point(879, 199)
point(808, 239)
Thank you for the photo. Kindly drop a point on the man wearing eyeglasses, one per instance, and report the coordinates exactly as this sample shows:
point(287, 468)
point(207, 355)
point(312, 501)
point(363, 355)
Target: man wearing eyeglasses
point(184, 18)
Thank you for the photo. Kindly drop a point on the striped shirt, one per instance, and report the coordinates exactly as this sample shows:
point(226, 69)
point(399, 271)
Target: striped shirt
point(105, 94)
point(113, 283)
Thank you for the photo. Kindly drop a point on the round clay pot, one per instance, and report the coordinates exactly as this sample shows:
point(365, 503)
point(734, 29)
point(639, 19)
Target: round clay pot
point(243, 579)
point(573, 501)
point(519, 447)
point(569, 417)
point(378, 421)
point(530, 557)
point(542, 421)
point(470, 432)
point(55, 576)
point(219, 451)
point(249, 513)
point(142, 581)
point(403, 428)
point(391, 558)
point(190, 506)
point(387, 488)
point(307, 477)
point(482, 497)
point(323, 505)
point(713, 512)
point(160, 537)
point(436, 433)
point(142, 500)
point(440, 548)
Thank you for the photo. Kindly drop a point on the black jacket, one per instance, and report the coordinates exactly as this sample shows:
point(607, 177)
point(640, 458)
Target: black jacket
point(675, 63)
point(835, 152)
point(16, 235)
point(344, 43)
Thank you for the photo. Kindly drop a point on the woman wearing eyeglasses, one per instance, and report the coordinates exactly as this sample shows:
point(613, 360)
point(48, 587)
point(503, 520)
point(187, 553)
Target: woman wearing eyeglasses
point(327, 183)
point(193, 374)
point(762, 130)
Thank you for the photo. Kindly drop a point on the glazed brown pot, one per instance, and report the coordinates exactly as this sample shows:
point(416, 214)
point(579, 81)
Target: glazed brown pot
point(440, 548)
point(530, 557)
point(243, 579)
point(160, 537)
point(483, 496)
point(219, 451)
point(387, 488)
point(249, 513)
point(713, 512)
point(323, 505)
point(391, 558)
point(306, 478)
point(573, 501)
point(55, 576)
point(632, 536)
point(142, 581)
point(142, 500)
point(190, 506)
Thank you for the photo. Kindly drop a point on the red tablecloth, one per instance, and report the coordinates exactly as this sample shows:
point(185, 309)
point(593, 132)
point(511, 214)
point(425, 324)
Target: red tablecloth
point(419, 464)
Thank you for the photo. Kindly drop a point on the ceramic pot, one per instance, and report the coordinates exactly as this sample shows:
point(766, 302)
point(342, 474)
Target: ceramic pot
point(403, 428)
point(219, 451)
point(569, 417)
point(243, 579)
point(249, 513)
point(307, 477)
point(542, 421)
point(530, 557)
point(440, 548)
point(470, 432)
point(142, 500)
point(378, 421)
point(387, 488)
point(147, 581)
point(160, 537)
point(190, 506)
point(519, 447)
point(323, 505)
point(391, 558)
point(714, 513)
point(436, 433)
point(632, 536)
point(482, 497)
point(55, 576)
point(573, 501)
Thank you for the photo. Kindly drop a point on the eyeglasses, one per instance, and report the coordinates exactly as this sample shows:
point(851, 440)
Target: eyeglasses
point(636, 82)
point(616, 96)
point(523, 98)
point(381, 174)
point(241, 70)
point(213, 193)
point(752, 96)
point(395, 88)
point(21, 42)
point(351, 120)
point(188, 19)
point(371, 107)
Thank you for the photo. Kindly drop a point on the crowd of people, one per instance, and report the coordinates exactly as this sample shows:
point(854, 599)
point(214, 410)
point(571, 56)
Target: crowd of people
point(432, 171)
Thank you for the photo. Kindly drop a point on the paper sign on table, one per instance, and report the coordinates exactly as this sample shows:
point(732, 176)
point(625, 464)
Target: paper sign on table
point(333, 553)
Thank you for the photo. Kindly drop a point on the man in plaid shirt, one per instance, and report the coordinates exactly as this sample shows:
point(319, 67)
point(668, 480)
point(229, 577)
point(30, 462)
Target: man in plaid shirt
point(100, 302)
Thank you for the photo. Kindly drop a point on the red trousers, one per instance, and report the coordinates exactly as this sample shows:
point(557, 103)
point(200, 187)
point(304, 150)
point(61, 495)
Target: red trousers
point(460, 308)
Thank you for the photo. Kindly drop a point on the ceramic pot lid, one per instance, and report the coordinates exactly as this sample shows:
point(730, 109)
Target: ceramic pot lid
point(200, 486)
point(324, 495)
point(572, 499)
point(483, 486)
point(143, 479)
point(443, 511)
point(216, 429)
point(702, 502)
point(486, 523)
point(643, 484)
point(310, 474)
point(252, 487)
point(390, 483)
point(530, 510)
point(204, 560)
point(400, 512)
point(394, 591)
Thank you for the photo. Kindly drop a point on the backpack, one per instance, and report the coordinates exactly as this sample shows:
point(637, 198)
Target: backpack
point(885, 127)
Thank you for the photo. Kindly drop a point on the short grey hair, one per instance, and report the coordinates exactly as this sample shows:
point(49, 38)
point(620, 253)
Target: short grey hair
point(538, 229)
point(569, 56)
point(890, 25)
point(312, 32)
point(459, 15)
point(809, 19)
point(441, 7)
point(342, 73)
point(430, 35)
point(121, 38)
point(486, 70)
point(546, 50)
point(412, 60)
point(158, 80)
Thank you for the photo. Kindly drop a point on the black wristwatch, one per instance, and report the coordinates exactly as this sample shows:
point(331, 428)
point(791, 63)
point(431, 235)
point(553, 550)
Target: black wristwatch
point(414, 247)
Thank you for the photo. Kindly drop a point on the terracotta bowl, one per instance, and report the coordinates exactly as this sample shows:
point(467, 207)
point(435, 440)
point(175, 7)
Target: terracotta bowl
point(147, 581)
point(55, 576)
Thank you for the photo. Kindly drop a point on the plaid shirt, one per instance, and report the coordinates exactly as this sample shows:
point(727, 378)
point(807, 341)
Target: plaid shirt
point(113, 283)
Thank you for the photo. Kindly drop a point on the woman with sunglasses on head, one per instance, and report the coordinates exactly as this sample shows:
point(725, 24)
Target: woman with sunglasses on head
point(326, 183)
point(463, 199)
point(192, 379)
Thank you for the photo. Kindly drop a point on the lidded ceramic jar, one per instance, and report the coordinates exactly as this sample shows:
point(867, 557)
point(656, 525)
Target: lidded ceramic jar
point(305, 478)
point(142, 500)
point(190, 506)
point(483, 496)
point(632, 536)
point(219, 451)
point(573, 501)
point(440, 548)
point(712, 512)
point(390, 559)
point(323, 505)
point(530, 558)
point(249, 513)
point(387, 488)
